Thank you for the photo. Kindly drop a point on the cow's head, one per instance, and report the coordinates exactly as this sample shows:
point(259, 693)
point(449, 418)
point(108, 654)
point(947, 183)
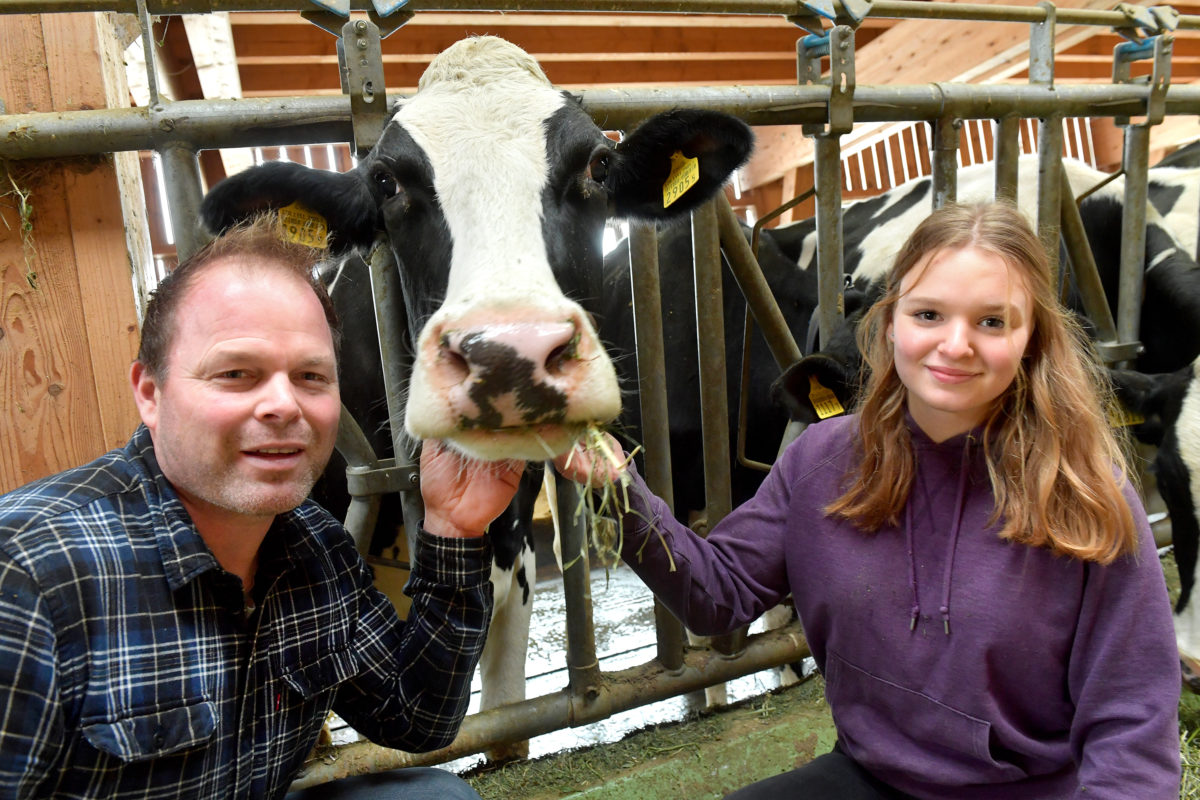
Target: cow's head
point(492, 188)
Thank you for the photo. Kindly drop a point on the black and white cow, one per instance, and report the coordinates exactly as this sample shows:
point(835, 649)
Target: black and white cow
point(492, 187)
point(1169, 404)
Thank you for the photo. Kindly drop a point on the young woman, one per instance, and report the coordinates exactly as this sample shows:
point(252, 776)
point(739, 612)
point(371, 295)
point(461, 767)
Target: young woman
point(974, 572)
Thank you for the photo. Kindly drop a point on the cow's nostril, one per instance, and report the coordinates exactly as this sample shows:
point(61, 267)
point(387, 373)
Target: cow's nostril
point(454, 364)
point(557, 358)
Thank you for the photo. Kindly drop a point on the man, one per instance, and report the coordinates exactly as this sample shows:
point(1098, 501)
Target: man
point(176, 620)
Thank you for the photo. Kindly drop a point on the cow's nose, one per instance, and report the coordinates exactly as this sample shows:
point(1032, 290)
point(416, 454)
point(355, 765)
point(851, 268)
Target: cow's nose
point(538, 350)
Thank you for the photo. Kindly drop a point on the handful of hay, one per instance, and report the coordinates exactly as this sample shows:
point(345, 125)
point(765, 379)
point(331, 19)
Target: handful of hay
point(605, 506)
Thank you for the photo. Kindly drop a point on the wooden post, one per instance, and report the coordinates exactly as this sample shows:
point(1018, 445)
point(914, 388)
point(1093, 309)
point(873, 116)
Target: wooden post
point(72, 236)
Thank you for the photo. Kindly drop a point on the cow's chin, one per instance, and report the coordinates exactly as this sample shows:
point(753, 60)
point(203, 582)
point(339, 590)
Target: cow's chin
point(527, 443)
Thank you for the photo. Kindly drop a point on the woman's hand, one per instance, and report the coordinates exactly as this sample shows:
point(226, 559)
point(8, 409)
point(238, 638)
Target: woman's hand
point(594, 466)
point(462, 496)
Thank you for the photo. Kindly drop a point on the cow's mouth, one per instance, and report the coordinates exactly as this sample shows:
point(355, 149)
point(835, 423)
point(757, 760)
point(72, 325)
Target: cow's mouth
point(537, 442)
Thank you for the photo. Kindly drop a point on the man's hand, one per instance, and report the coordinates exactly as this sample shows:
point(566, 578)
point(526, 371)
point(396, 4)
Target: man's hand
point(463, 496)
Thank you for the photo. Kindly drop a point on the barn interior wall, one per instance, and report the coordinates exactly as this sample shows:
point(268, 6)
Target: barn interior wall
point(70, 231)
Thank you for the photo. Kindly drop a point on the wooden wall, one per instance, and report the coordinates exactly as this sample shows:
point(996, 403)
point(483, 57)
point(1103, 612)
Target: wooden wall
point(68, 319)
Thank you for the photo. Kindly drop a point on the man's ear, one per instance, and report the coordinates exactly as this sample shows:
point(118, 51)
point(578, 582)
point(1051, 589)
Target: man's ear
point(145, 394)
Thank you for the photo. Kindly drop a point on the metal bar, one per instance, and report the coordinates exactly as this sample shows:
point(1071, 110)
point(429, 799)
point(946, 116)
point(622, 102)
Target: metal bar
point(944, 161)
point(1133, 232)
point(618, 691)
point(269, 122)
point(827, 155)
point(357, 452)
point(710, 342)
point(1083, 265)
point(391, 322)
point(181, 176)
point(910, 9)
point(1008, 153)
point(583, 667)
point(652, 395)
point(759, 298)
point(1050, 143)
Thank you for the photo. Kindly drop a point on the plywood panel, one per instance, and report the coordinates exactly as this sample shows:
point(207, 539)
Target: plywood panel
point(67, 316)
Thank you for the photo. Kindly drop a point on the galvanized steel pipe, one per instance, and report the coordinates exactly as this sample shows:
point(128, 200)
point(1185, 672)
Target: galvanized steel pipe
point(827, 174)
point(1008, 153)
point(1050, 144)
point(759, 298)
point(1083, 266)
point(268, 122)
point(616, 692)
point(1133, 233)
point(652, 396)
point(710, 338)
point(909, 9)
point(395, 347)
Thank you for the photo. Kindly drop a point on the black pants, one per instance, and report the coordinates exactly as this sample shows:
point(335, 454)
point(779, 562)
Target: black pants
point(833, 776)
point(412, 783)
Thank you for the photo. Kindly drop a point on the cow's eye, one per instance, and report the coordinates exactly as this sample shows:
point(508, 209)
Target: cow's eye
point(598, 167)
point(386, 183)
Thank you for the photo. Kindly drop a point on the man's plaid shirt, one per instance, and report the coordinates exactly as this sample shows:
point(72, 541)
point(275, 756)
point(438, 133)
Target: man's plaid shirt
point(129, 668)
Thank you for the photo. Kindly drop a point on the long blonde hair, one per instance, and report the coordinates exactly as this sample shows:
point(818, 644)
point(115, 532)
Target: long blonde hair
point(1056, 467)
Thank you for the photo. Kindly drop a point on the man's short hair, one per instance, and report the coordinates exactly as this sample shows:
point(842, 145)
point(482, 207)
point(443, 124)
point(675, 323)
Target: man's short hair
point(256, 241)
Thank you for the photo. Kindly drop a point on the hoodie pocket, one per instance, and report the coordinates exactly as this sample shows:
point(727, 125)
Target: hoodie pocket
point(892, 729)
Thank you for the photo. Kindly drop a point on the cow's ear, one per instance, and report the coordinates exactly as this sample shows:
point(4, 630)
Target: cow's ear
point(653, 161)
point(793, 391)
point(342, 199)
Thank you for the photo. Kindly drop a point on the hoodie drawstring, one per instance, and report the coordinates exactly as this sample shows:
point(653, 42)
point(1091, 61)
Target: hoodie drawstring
point(944, 608)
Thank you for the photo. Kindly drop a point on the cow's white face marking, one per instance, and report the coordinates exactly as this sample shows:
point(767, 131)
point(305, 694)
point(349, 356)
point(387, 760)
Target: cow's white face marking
point(480, 116)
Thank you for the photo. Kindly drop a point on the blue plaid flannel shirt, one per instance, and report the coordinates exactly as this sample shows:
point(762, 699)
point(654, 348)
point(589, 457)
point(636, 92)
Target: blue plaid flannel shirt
point(129, 668)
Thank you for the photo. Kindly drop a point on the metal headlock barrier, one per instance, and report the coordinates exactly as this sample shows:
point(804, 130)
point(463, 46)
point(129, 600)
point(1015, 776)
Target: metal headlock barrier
point(826, 102)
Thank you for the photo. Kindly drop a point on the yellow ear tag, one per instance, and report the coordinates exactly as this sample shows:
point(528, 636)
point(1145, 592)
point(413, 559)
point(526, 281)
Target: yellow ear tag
point(298, 224)
point(1121, 417)
point(823, 400)
point(685, 173)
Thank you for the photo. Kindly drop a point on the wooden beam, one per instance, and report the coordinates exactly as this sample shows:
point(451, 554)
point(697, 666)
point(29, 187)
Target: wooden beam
point(68, 320)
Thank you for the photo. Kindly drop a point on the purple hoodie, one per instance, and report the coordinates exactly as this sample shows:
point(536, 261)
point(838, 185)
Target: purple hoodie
point(1057, 678)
